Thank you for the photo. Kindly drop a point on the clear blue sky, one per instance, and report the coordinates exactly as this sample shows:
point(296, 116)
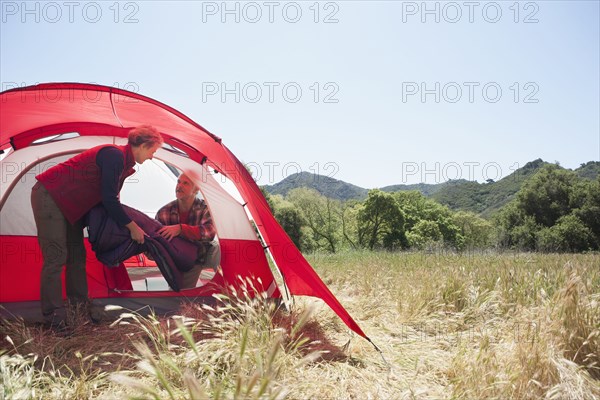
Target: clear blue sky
point(369, 74)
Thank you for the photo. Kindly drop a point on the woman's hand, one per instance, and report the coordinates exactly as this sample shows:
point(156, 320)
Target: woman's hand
point(137, 233)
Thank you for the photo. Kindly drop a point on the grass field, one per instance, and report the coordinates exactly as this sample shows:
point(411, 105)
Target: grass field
point(449, 326)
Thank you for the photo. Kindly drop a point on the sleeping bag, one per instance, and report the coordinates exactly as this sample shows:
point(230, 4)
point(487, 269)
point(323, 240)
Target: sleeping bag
point(113, 244)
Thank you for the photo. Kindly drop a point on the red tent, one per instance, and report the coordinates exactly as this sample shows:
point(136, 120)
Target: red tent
point(45, 124)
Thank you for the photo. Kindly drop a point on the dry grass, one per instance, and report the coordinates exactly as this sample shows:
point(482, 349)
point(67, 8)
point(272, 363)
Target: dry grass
point(450, 326)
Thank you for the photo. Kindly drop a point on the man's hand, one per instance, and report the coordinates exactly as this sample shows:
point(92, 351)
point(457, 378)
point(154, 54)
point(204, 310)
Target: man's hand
point(170, 231)
point(137, 233)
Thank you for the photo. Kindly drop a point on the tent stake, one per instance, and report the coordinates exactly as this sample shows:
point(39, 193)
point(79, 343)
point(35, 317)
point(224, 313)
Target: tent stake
point(380, 353)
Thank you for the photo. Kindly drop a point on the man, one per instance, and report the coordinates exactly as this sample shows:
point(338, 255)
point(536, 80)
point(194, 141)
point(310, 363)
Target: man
point(63, 195)
point(189, 218)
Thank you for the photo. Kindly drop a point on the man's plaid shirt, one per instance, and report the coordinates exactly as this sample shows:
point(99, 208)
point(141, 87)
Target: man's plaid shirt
point(199, 227)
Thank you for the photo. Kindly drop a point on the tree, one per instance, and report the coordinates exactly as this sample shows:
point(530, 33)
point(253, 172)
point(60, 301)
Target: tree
point(569, 234)
point(507, 220)
point(417, 208)
point(589, 208)
point(554, 211)
point(291, 221)
point(289, 217)
point(414, 205)
point(476, 231)
point(348, 214)
point(524, 236)
point(424, 233)
point(547, 195)
point(321, 215)
point(381, 222)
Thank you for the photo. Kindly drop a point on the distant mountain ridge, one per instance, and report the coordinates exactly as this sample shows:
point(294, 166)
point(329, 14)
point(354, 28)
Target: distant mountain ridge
point(589, 170)
point(426, 188)
point(481, 198)
point(328, 187)
point(485, 198)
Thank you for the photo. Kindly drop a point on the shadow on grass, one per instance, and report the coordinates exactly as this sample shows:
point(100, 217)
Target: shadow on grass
point(317, 339)
point(108, 347)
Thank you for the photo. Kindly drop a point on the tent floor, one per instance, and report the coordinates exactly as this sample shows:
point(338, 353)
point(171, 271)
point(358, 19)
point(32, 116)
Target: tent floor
point(29, 311)
point(143, 279)
point(150, 279)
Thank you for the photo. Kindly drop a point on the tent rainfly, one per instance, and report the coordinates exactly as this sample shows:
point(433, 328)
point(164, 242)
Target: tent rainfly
point(45, 124)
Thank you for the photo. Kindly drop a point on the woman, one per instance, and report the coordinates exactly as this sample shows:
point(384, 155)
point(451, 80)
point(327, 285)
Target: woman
point(63, 195)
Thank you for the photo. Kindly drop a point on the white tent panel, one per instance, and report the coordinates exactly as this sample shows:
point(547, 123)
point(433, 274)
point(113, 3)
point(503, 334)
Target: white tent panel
point(150, 188)
point(16, 216)
point(228, 214)
point(14, 165)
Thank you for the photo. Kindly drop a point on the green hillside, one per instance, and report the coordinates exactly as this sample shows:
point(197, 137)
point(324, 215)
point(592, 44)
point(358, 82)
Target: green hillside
point(485, 198)
point(329, 187)
point(589, 170)
point(425, 188)
point(481, 198)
